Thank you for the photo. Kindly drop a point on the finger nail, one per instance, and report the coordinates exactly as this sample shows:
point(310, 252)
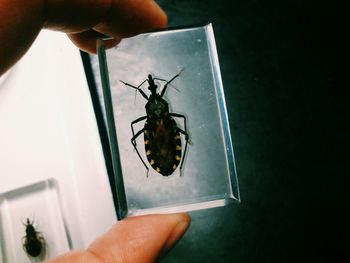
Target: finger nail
point(178, 231)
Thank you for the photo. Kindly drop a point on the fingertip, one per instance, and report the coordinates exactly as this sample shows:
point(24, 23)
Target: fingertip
point(162, 17)
point(180, 218)
point(183, 223)
point(86, 41)
point(129, 18)
point(142, 238)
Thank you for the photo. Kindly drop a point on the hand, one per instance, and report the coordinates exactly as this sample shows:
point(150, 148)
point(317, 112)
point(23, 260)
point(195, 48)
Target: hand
point(138, 239)
point(82, 20)
point(141, 239)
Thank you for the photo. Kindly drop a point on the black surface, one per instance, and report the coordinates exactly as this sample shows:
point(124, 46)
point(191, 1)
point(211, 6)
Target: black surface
point(278, 61)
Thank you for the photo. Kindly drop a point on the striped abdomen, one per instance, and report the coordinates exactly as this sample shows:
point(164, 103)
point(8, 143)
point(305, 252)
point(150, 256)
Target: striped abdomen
point(162, 145)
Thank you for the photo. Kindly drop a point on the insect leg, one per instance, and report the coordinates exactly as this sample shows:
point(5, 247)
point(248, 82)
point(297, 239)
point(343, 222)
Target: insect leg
point(180, 116)
point(184, 132)
point(133, 141)
point(134, 136)
point(41, 237)
point(134, 122)
point(168, 82)
point(24, 241)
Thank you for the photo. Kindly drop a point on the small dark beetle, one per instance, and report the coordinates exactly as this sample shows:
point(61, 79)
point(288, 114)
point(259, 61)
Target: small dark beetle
point(161, 133)
point(33, 241)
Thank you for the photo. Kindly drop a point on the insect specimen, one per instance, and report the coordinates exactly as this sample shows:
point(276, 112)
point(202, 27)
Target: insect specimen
point(161, 133)
point(33, 241)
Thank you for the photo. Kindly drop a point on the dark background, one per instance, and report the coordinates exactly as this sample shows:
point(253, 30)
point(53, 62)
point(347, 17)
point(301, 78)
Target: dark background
point(278, 61)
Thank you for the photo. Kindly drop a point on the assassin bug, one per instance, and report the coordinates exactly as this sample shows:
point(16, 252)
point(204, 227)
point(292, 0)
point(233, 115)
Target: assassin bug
point(33, 241)
point(161, 133)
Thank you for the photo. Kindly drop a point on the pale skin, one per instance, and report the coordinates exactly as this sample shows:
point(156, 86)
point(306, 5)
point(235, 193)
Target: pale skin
point(143, 239)
point(140, 239)
point(82, 20)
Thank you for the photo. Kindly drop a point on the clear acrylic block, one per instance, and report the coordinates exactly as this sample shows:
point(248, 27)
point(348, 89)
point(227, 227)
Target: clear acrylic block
point(208, 177)
point(40, 204)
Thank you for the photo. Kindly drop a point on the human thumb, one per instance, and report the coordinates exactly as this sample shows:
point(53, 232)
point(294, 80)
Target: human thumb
point(140, 239)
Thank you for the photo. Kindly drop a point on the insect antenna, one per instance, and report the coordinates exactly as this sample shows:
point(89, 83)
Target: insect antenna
point(137, 88)
point(170, 85)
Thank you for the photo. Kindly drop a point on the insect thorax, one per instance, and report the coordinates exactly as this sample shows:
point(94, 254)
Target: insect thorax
point(30, 230)
point(156, 107)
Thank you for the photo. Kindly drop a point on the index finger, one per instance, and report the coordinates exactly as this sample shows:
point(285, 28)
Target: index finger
point(85, 20)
